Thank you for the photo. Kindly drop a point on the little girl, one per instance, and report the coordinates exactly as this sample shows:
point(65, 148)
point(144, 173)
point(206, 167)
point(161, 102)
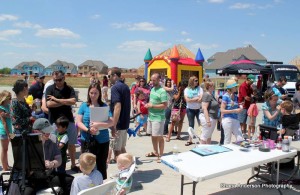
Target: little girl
point(251, 119)
point(142, 118)
point(5, 126)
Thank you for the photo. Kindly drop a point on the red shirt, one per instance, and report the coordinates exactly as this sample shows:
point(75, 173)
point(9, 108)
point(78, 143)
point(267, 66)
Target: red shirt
point(143, 109)
point(245, 90)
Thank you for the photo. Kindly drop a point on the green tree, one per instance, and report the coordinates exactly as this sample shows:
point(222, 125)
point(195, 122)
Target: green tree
point(5, 70)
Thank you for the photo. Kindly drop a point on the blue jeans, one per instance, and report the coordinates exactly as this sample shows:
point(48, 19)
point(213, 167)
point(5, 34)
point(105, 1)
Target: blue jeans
point(191, 114)
point(167, 121)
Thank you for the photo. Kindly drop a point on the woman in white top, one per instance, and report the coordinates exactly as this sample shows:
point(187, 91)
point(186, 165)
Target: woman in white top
point(193, 94)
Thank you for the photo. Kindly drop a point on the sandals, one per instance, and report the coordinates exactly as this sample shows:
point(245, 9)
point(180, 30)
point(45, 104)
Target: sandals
point(179, 138)
point(151, 154)
point(189, 143)
point(158, 160)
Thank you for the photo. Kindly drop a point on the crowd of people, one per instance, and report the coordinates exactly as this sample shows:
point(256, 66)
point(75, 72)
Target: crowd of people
point(160, 106)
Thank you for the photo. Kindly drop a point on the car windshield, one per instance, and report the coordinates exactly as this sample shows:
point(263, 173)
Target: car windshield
point(290, 76)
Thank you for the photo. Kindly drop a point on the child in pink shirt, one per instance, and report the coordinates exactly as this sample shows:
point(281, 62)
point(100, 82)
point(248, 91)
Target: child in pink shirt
point(251, 119)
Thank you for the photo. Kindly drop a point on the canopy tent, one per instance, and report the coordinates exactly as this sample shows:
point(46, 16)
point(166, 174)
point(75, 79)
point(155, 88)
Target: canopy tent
point(243, 66)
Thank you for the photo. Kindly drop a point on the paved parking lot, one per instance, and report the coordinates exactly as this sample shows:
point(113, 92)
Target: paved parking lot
point(155, 178)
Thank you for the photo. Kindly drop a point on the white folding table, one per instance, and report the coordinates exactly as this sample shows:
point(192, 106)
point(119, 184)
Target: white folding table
point(199, 168)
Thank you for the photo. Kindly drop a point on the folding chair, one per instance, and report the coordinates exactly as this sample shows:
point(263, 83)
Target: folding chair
point(131, 170)
point(194, 136)
point(106, 189)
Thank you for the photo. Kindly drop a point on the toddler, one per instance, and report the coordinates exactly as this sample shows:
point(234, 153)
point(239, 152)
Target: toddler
point(5, 126)
point(142, 118)
point(124, 181)
point(251, 119)
point(62, 141)
point(91, 177)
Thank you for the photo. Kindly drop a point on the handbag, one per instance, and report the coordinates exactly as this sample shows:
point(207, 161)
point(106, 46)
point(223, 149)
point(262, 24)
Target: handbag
point(175, 113)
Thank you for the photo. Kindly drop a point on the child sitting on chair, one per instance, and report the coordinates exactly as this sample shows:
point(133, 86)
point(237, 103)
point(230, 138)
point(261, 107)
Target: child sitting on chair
point(124, 180)
point(91, 177)
point(290, 122)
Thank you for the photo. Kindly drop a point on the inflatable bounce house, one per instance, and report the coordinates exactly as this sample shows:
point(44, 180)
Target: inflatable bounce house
point(177, 63)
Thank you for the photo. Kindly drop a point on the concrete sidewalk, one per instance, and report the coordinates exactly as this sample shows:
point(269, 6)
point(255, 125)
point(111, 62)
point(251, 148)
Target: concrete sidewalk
point(156, 178)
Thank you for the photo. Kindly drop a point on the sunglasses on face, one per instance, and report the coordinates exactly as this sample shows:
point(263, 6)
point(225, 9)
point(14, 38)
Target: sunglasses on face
point(58, 80)
point(142, 81)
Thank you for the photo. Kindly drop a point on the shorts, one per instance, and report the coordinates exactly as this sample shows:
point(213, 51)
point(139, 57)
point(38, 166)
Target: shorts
point(249, 121)
point(72, 132)
point(3, 137)
point(242, 116)
point(155, 128)
point(207, 131)
point(142, 121)
point(120, 140)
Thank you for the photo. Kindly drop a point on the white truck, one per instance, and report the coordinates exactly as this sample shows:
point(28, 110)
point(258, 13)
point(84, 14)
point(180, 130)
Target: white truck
point(291, 72)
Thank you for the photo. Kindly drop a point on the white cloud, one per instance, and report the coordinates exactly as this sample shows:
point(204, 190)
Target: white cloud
point(241, 6)
point(56, 32)
point(216, 1)
point(95, 16)
point(142, 45)
point(23, 45)
point(27, 25)
point(187, 40)
point(204, 46)
point(184, 33)
point(267, 6)
point(141, 26)
point(73, 45)
point(7, 33)
point(4, 17)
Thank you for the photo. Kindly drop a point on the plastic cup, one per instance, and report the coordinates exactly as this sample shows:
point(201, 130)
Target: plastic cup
point(272, 144)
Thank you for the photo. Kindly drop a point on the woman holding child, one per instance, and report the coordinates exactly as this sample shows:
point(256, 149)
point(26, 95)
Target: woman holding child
point(97, 142)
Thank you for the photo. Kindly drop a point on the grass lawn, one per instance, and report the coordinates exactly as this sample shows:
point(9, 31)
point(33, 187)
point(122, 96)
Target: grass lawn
point(76, 82)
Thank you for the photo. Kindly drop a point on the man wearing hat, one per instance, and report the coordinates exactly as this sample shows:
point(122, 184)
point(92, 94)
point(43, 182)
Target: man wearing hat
point(37, 89)
point(244, 99)
point(53, 160)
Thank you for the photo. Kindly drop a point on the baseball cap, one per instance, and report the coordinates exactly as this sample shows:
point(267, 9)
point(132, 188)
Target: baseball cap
point(42, 124)
point(231, 84)
point(251, 77)
point(41, 75)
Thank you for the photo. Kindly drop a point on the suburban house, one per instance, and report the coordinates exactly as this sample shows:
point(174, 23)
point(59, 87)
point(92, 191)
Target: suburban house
point(27, 68)
point(92, 66)
point(66, 67)
point(220, 59)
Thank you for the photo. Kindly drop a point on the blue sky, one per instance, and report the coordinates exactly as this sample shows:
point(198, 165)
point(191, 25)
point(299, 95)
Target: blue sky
point(119, 32)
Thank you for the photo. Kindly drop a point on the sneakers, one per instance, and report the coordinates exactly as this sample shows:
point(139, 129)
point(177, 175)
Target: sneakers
point(75, 169)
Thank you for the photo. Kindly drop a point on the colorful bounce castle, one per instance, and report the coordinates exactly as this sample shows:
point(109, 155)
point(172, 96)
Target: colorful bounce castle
point(177, 63)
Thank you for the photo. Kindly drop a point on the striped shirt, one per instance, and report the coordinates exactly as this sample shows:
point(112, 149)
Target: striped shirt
point(230, 105)
point(157, 96)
